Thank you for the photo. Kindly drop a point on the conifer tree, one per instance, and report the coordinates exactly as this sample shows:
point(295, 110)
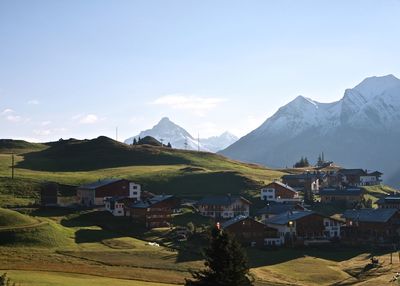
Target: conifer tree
point(226, 264)
point(134, 141)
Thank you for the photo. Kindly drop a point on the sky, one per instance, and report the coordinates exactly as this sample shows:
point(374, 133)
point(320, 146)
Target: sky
point(82, 68)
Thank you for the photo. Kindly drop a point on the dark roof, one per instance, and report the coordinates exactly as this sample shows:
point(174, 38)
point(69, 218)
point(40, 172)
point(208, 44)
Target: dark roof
point(277, 208)
point(376, 173)
point(284, 218)
point(370, 215)
point(341, 192)
point(150, 202)
point(98, 184)
point(389, 199)
point(221, 200)
point(353, 172)
point(303, 176)
point(233, 221)
point(283, 185)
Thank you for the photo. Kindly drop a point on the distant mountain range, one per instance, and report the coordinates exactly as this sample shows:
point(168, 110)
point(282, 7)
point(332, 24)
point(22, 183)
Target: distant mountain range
point(168, 131)
point(360, 130)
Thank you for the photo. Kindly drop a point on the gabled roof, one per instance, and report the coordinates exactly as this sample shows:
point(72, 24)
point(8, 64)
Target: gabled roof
point(284, 218)
point(277, 208)
point(370, 215)
point(389, 199)
point(376, 173)
point(98, 184)
point(286, 186)
point(352, 172)
point(303, 176)
point(152, 201)
point(341, 192)
point(233, 221)
point(221, 200)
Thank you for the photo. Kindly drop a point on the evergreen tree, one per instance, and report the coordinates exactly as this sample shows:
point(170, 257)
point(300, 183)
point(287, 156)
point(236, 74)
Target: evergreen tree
point(306, 163)
point(134, 141)
point(169, 145)
point(226, 264)
point(319, 161)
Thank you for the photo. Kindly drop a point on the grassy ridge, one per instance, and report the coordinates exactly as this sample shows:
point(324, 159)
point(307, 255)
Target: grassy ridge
point(160, 170)
point(9, 218)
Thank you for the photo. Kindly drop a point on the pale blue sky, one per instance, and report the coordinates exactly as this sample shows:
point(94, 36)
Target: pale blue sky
point(81, 68)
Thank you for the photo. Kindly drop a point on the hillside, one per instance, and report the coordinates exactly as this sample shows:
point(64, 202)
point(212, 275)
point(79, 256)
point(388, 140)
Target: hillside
point(18, 146)
point(9, 218)
point(158, 169)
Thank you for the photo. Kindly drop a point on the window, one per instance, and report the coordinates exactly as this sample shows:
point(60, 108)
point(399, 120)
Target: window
point(135, 187)
point(135, 193)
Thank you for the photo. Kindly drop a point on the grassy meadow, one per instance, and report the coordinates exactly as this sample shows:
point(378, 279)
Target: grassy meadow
point(66, 247)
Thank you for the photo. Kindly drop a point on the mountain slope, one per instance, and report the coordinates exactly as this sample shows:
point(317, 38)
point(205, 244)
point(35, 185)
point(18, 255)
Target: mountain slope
point(360, 130)
point(168, 131)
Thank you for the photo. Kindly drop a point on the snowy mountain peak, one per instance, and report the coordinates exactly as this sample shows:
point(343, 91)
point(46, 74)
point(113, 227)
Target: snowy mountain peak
point(167, 131)
point(375, 86)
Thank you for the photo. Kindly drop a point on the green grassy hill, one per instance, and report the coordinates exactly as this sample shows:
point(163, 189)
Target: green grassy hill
point(17, 229)
point(9, 218)
point(158, 169)
point(18, 146)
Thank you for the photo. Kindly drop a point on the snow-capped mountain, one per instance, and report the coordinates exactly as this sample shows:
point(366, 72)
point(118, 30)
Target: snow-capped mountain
point(360, 130)
point(167, 131)
point(220, 142)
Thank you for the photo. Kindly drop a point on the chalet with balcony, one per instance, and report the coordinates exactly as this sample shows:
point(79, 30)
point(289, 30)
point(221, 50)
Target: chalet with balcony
point(389, 202)
point(154, 212)
point(305, 227)
point(359, 177)
point(94, 194)
point(350, 197)
point(273, 209)
point(372, 226)
point(250, 232)
point(280, 193)
point(224, 207)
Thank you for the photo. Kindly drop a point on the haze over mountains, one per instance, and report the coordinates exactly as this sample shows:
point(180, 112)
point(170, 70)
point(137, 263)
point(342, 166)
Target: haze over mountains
point(360, 130)
point(168, 131)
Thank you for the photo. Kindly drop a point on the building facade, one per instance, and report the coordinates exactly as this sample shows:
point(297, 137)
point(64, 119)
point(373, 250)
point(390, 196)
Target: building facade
point(223, 207)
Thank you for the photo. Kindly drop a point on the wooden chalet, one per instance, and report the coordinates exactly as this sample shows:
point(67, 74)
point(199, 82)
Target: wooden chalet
point(154, 212)
point(279, 192)
point(303, 227)
point(225, 207)
point(94, 194)
point(389, 202)
point(350, 197)
point(250, 232)
point(371, 226)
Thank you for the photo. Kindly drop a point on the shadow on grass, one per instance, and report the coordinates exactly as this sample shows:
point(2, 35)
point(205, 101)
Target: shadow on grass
point(259, 257)
point(93, 235)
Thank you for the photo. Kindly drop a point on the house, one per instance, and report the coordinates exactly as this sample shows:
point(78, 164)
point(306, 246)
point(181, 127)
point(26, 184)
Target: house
point(279, 192)
point(273, 209)
point(250, 232)
point(116, 205)
point(359, 177)
point(371, 226)
point(308, 183)
point(58, 195)
point(94, 194)
point(350, 196)
point(302, 227)
point(225, 207)
point(154, 212)
point(389, 202)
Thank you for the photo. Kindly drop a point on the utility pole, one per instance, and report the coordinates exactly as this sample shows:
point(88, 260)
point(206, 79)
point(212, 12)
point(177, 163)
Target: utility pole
point(186, 143)
point(12, 166)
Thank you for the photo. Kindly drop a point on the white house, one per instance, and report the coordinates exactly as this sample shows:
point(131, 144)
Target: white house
point(279, 192)
point(135, 191)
